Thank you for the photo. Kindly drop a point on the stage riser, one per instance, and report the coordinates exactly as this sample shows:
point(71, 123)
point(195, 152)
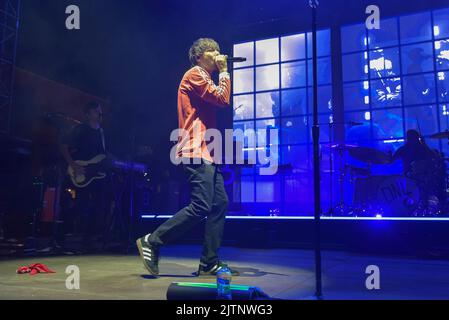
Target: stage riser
point(382, 237)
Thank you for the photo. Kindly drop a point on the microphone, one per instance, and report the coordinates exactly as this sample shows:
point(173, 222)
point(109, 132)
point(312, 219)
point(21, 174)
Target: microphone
point(236, 59)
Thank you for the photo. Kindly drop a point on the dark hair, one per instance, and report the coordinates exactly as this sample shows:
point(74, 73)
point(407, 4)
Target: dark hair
point(90, 106)
point(413, 136)
point(199, 47)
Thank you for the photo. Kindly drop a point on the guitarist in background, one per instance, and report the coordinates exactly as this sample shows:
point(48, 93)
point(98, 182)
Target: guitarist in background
point(85, 142)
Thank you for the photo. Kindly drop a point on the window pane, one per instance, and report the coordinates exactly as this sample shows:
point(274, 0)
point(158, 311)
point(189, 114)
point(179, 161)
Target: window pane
point(267, 51)
point(419, 89)
point(294, 102)
point(245, 50)
point(267, 105)
point(441, 23)
point(247, 140)
point(353, 38)
point(247, 189)
point(323, 120)
point(354, 66)
point(264, 137)
point(442, 54)
point(387, 35)
point(443, 86)
point(384, 63)
point(417, 58)
point(324, 99)
point(299, 190)
point(386, 93)
point(296, 156)
point(361, 132)
point(423, 119)
point(268, 157)
point(323, 43)
point(387, 124)
point(293, 74)
point(295, 130)
point(246, 171)
point(267, 78)
point(324, 71)
point(416, 27)
point(268, 189)
point(293, 47)
point(243, 80)
point(356, 95)
point(243, 107)
point(435, 144)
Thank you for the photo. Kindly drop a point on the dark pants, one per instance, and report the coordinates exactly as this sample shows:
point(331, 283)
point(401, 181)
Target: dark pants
point(90, 202)
point(207, 199)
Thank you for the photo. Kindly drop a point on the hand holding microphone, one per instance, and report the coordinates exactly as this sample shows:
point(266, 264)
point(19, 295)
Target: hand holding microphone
point(222, 60)
point(222, 63)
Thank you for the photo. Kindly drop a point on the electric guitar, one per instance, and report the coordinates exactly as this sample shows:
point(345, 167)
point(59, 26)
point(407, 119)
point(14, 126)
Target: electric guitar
point(94, 169)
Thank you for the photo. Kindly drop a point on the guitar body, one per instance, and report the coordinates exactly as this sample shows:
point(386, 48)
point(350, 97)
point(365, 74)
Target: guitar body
point(94, 170)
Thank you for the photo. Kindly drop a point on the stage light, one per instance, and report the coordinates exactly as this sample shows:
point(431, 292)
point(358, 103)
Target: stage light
point(152, 216)
point(445, 112)
point(378, 216)
point(367, 116)
point(366, 99)
point(393, 140)
point(436, 31)
point(365, 85)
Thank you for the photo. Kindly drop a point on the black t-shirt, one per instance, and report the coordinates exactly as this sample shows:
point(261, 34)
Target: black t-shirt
point(413, 152)
point(85, 141)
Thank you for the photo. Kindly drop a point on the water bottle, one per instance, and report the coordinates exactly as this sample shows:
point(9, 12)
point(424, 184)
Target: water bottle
point(224, 278)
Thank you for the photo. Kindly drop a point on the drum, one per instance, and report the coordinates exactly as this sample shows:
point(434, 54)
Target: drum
point(398, 195)
point(431, 177)
point(392, 195)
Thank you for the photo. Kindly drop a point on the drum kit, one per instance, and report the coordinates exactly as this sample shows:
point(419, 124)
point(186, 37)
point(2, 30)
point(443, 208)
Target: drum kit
point(420, 192)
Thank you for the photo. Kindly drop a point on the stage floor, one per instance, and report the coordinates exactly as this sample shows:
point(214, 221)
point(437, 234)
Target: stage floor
point(281, 273)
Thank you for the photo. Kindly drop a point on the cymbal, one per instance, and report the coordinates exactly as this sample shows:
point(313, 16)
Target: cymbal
point(342, 146)
point(440, 135)
point(358, 171)
point(370, 155)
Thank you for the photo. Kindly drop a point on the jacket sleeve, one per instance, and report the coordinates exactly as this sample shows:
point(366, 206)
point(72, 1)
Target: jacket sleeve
point(203, 86)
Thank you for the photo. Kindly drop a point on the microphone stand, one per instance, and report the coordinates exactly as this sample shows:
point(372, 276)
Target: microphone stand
point(316, 157)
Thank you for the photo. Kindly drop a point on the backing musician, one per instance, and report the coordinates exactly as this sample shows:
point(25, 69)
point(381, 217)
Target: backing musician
point(85, 142)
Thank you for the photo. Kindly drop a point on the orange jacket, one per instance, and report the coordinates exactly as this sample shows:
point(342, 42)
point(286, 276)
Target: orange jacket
point(198, 99)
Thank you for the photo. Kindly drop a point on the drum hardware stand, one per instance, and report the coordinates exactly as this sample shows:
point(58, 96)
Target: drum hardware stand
point(37, 201)
point(332, 210)
point(341, 179)
point(55, 247)
point(116, 211)
point(131, 223)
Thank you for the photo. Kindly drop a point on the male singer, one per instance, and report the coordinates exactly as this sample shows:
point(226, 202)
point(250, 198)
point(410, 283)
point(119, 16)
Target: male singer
point(198, 100)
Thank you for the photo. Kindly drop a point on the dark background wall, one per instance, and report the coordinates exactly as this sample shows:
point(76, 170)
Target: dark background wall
point(133, 53)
